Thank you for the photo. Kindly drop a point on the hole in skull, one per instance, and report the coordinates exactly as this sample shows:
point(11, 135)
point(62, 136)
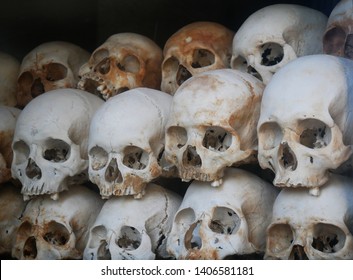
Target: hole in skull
point(98, 158)
point(21, 151)
point(315, 134)
point(224, 221)
point(279, 237)
point(328, 238)
point(241, 64)
point(202, 58)
point(191, 157)
point(298, 253)
point(135, 158)
point(37, 88)
point(130, 63)
point(192, 237)
point(271, 54)
point(103, 67)
point(182, 75)
point(30, 248)
point(270, 135)
point(348, 47)
point(129, 239)
point(176, 137)
point(56, 150)
point(56, 72)
point(217, 139)
point(334, 40)
point(112, 173)
point(103, 252)
point(56, 234)
point(32, 170)
point(287, 157)
point(25, 81)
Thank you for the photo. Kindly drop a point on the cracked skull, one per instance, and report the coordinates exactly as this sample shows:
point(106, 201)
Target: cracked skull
point(212, 124)
point(195, 48)
point(132, 229)
point(124, 61)
point(9, 69)
point(309, 227)
point(49, 66)
point(126, 141)
point(275, 35)
point(306, 121)
point(50, 141)
point(214, 223)
point(57, 229)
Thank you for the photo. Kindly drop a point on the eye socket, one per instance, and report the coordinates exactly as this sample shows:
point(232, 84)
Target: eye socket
point(314, 134)
point(130, 64)
point(271, 54)
point(135, 158)
point(98, 239)
point(56, 234)
point(328, 238)
point(270, 135)
point(279, 237)
point(186, 220)
point(56, 150)
point(224, 221)
point(217, 139)
point(98, 158)
point(176, 137)
point(241, 64)
point(55, 72)
point(129, 238)
point(202, 58)
point(99, 55)
point(334, 40)
point(103, 67)
point(21, 151)
point(25, 81)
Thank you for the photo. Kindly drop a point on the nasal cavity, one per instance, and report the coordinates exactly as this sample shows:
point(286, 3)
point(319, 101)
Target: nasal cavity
point(30, 248)
point(33, 171)
point(37, 88)
point(191, 157)
point(182, 75)
point(298, 253)
point(112, 173)
point(287, 157)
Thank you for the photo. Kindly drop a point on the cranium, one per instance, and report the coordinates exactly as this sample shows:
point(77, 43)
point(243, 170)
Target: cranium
point(193, 49)
point(9, 69)
point(124, 61)
point(274, 35)
point(49, 66)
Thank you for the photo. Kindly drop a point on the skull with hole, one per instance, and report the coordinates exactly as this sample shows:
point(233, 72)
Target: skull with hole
point(12, 206)
point(49, 66)
point(8, 117)
point(309, 227)
point(338, 37)
point(50, 141)
point(275, 35)
point(126, 142)
point(193, 49)
point(215, 223)
point(124, 61)
point(130, 229)
point(9, 69)
point(57, 229)
point(306, 121)
point(212, 124)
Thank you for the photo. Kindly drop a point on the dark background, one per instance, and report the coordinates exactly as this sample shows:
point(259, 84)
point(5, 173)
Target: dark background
point(25, 24)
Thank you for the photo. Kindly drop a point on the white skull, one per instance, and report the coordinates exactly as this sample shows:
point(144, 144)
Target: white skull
point(305, 126)
point(275, 35)
point(193, 49)
point(9, 69)
point(132, 229)
point(12, 206)
point(8, 117)
point(338, 37)
point(57, 229)
point(213, 223)
point(126, 141)
point(49, 66)
point(212, 124)
point(50, 141)
point(313, 227)
point(124, 61)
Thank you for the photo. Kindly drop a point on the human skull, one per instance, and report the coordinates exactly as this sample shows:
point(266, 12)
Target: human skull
point(275, 35)
point(9, 69)
point(126, 141)
point(309, 227)
point(8, 117)
point(50, 141)
point(306, 121)
point(132, 229)
point(338, 37)
point(49, 66)
point(57, 229)
point(193, 49)
point(214, 223)
point(212, 124)
point(124, 61)
point(12, 206)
